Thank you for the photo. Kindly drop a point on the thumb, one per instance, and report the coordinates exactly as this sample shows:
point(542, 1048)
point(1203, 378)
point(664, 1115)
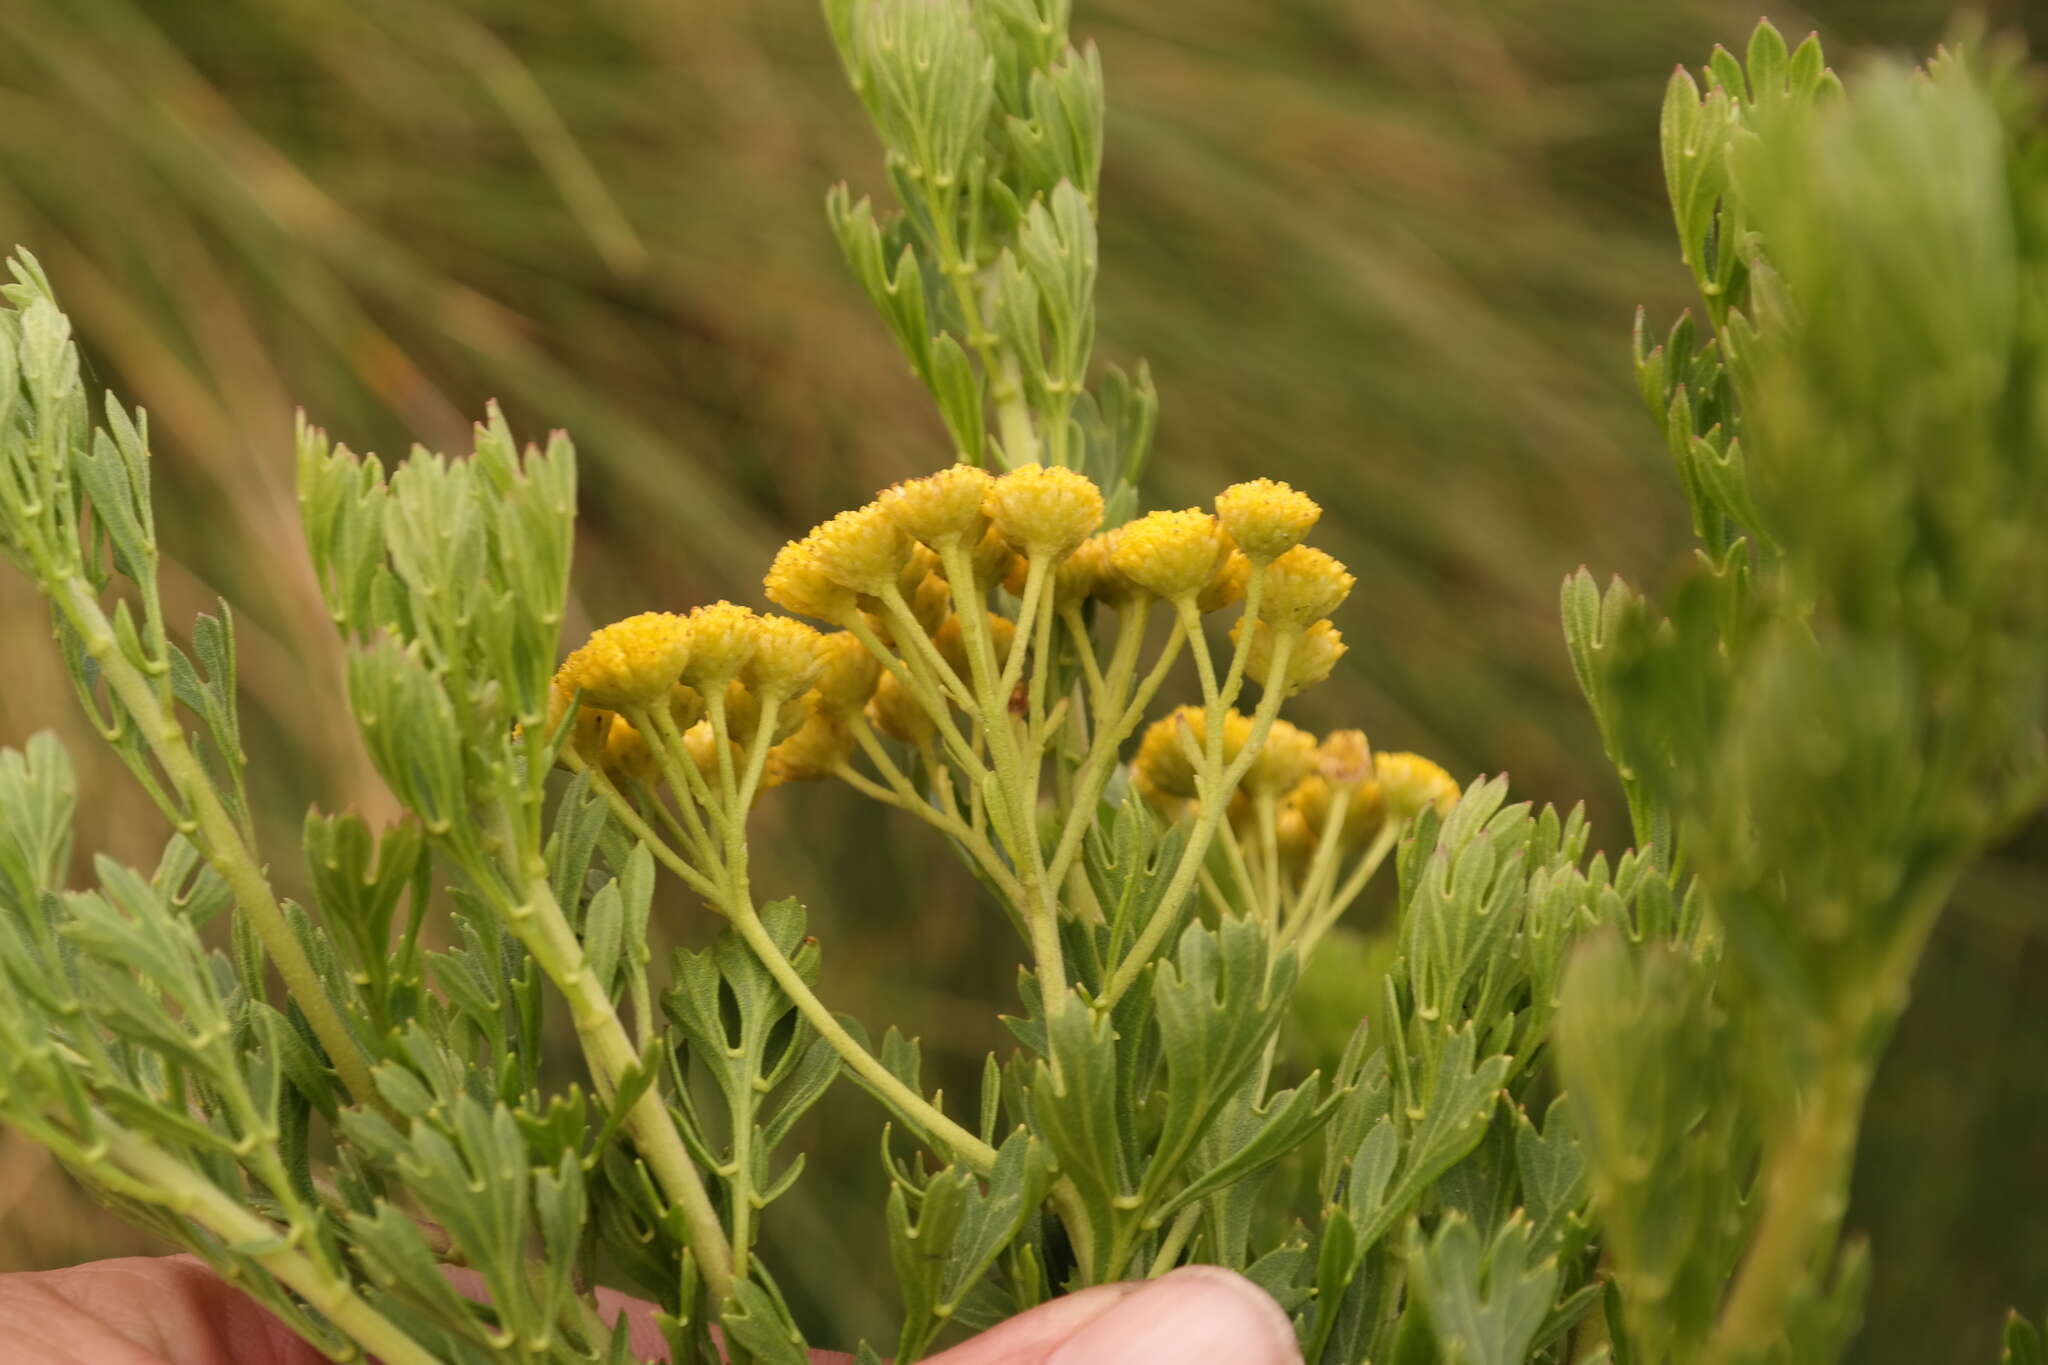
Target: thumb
point(1196, 1313)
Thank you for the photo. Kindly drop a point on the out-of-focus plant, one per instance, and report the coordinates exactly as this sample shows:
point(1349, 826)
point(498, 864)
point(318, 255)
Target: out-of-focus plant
point(1832, 717)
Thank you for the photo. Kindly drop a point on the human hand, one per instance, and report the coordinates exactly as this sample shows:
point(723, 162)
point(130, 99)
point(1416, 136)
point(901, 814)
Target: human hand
point(173, 1310)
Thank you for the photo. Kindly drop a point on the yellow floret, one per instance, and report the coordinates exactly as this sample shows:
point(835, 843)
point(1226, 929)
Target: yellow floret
point(814, 752)
point(863, 549)
point(1173, 555)
point(1287, 756)
point(941, 509)
point(631, 662)
point(1409, 782)
point(723, 636)
point(1165, 762)
point(1345, 759)
point(797, 582)
point(1315, 652)
point(1227, 587)
point(786, 660)
point(626, 755)
point(1044, 512)
point(897, 714)
point(1265, 518)
point(1301, 586)
point(1313, 799)
point(848, 673)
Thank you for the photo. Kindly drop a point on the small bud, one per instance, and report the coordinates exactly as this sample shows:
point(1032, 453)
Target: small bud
point(862, 549)
point(1173, 555)
point(951, 640)
point(1345, 759)
point(1266, 519)
point(814, 752)
point(1226, 589)
point(994, 560)
point(586, 736)
point(1315, 653)
point(700, 742)
point(631, 662)
point(786, 661)
point(942, 509)
point(1287, 756)
point(797, 582)
point(847, 673)
point(723, 636)
point(1044, 512)
point(897, 714)
point(1301, 586)
point(685, 706)
point(626, 755)
point(1165, 760)
point(931, 602)
point(1409, 782)
point(1313, 798)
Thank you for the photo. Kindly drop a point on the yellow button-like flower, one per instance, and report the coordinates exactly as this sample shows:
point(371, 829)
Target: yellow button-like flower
point(1312, 801)
point(863, 549)
point(1315, 653)
point(1266, 519)
point(1345, 759)
point(941, 509)
point(1044, 512)
point(847, 675)
point(626, 755)
point(1165, 760)
point(814, 752)
point(1287, 756)
point(897, 714)
point(632, 662)
point(1301, 586)
point(723, 636)
point(797, 582)
point(1226, 589)
point(1173, 555)
point(951, 640)
point(786, 661)
point(1409, 782)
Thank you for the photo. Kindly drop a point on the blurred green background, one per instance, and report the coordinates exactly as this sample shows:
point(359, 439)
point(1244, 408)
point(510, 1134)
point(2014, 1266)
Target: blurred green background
point(1387, 250)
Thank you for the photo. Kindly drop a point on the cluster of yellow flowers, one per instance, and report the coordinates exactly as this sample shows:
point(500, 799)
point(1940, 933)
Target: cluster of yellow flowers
point(1292, 781)
point(894, 576)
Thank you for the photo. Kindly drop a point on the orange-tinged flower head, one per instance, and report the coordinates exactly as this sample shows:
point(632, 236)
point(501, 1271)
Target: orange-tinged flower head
point(848, 673)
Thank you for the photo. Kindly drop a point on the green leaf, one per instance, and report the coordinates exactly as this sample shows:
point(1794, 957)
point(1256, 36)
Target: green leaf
point(1486, 1301)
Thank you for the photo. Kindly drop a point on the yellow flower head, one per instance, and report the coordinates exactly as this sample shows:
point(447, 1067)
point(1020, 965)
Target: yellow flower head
point(1316, 652)
point(1173, 555)
point(797, 582)
point(631, 662)
point(626, 755)
point(1409, 782)
point(863, 549)
point(932, 602)
point(1287, 756)
point(951, 639)
point(1169, 806)
point(1044, 512)
point(1301, 586)
point(786, 660)
point(941, 509)
point(723, 636)
point(847, 674)
point(1313, 799)
point(994, 560)
point(1226, 589)
point(814, 752)
point(1165, 762)
point(700, 742)
point(1266, 519)
point(1345, 759)
point(897, 714)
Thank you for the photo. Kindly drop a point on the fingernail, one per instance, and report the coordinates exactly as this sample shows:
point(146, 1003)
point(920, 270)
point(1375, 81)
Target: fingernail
point(1196, 1313)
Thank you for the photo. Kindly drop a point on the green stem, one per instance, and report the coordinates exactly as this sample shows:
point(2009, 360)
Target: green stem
point(166, 1181)
point(1216, 791)
point(1176, 1240)
point(965, 1146)
point(220, 840)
